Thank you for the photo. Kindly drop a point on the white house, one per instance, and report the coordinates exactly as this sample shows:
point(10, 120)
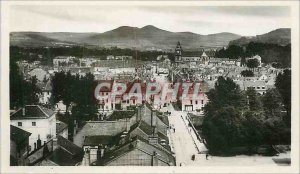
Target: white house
point(38, 120)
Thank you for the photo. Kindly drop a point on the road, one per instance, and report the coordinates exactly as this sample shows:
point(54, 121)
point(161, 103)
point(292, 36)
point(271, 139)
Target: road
point(184, 143)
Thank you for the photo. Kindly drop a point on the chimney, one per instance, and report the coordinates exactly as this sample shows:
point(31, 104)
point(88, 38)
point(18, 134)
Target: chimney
point(23, 111)
point(154, 161)
point(153, 118)
point(123, 138)
point(39, 142)
point(86, 157)
point(153, 139)
point(139, 113)
point(100, 151)
point(127, 124)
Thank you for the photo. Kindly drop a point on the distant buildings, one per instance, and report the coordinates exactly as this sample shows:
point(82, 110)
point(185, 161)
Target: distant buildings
point(62, 60)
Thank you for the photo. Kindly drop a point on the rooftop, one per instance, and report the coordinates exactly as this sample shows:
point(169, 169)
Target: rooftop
point(118, 115)
point(18, 135)
point(60, 126)
point(32, 112)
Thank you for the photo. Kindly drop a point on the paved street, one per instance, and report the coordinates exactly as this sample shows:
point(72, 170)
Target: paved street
point(184, 147)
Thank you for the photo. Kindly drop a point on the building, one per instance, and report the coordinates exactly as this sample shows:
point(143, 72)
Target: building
point(259, 86)
point(62, 60)
point(19, 145)
point(37, 120)
point(46, 92)
point(188, 103)
point(137, 152)
point(61, 129)
point(178, 54)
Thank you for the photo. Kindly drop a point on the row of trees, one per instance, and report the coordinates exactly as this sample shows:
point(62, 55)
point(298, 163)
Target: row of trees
point(268, 52)
point(78, 92)
point(48, 53)
point(235, 118)
point(21, 91)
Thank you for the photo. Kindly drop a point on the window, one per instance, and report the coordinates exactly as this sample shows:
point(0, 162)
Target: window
point(19, 123)
point(263, 87)
point(191, 102)
point(202, 102)
point(33, 123)
point(258, 87)
point(196, 102)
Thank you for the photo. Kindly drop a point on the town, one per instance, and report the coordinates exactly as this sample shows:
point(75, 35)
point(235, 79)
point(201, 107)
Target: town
point(62, 123)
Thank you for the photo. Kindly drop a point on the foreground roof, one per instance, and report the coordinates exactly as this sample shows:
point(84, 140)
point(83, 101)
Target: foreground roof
point(18, 135)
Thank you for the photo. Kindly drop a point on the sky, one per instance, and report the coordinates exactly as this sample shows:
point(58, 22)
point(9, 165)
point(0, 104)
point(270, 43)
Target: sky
point(243, 20)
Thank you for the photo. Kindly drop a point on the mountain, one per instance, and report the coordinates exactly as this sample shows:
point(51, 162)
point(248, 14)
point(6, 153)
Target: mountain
point(281, 36)
point(145, 38)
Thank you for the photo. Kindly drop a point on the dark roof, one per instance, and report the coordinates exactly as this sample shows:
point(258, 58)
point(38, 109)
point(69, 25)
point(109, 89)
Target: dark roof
point(163, 118)
point(97, 140)
point(60, 126)
point(136, 143)
point(64, 158)
point(18, 135)
point(118, 115)
point(32, 112)
point(69, 146)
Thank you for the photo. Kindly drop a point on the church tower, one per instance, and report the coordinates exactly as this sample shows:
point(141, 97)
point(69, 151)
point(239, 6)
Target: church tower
point(178, 53)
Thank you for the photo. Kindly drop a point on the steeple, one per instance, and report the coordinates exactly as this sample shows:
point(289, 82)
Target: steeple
point(178, 53)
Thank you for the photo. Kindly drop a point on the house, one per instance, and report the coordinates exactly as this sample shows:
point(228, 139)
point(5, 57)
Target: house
point(188, 103)
point(258, 85)
point(62, 152)
point(60, 107)
point(103, 128)
point(61, 129)
point(19, 145)
point(37, 120)
point(62, 60)
point(110, 57)
point(137, 152)
point(46, 92)
point(103, 142)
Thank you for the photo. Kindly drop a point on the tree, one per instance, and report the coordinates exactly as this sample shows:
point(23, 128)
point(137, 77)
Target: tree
point(253, 100)
point(252, 63)
point(247, 73)
point(283, 85)
point(22, 92)
point(223, 116)
point(272, 103)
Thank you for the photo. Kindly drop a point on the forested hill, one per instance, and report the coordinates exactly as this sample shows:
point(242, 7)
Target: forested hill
point(145, 38)
point(268, 52)
point(281, 36)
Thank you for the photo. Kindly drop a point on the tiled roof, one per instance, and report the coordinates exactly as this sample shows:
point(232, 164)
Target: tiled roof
point(69, 146)
point(32, 112)
point(137, 143)
point(97, 140)
point(63, 158)
point(103, 128)
point(60, 126)
point(18, 135)
point(118, 115)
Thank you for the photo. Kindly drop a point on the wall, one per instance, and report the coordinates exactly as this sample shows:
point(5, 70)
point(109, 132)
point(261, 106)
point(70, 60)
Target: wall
point(43, 128)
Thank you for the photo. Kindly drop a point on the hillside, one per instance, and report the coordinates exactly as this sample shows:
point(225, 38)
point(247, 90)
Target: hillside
point(280, 36)
point(145, 38)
